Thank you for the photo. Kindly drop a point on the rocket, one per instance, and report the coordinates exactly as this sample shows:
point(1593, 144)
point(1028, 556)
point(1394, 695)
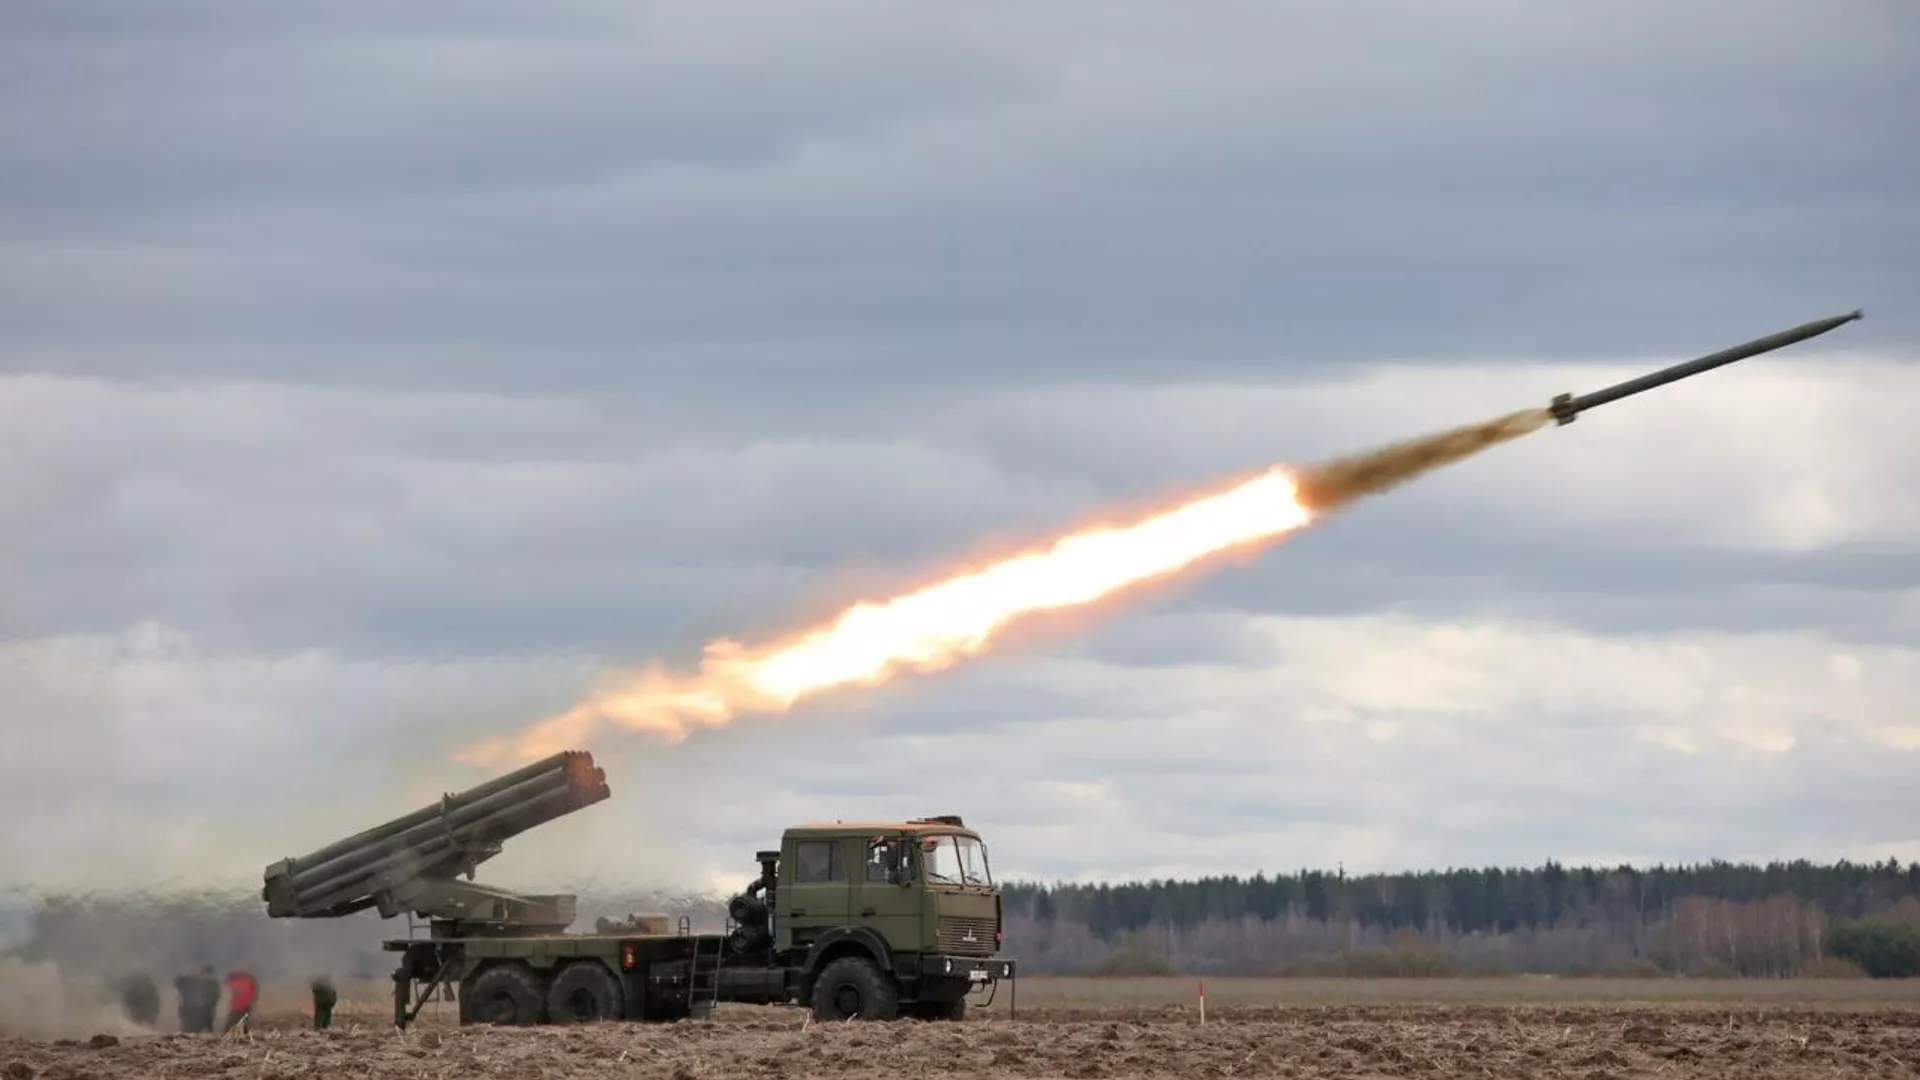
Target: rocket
point(1565, 407)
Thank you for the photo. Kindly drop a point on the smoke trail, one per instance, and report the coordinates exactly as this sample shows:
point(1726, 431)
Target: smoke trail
point(1332, 484)
point(959, 616)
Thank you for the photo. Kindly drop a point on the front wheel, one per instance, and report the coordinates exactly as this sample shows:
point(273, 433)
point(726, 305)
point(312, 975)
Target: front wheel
point(854, 986)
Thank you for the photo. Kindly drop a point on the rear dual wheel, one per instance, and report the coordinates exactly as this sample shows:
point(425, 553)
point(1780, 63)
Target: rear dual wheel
point(505, 994)
point(514, 995)
point(583, 992)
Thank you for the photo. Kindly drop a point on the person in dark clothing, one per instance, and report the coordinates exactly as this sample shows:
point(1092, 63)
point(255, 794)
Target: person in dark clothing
point(183, 988)
point(323, 1001)
point(199, 999)
point(141, 999)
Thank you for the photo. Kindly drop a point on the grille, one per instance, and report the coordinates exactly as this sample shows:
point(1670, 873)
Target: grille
point(951, 934)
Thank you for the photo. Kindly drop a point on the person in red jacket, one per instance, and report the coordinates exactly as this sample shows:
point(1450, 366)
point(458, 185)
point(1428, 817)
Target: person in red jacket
point(242, 992)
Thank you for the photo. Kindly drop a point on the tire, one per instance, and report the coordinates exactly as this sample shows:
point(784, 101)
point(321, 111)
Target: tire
point(508, 995)
point(585, 992)
point(854, 986)
point(945, 1011)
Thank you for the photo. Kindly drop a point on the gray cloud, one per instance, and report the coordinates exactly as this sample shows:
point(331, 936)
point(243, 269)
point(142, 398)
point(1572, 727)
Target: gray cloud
point(878, 194)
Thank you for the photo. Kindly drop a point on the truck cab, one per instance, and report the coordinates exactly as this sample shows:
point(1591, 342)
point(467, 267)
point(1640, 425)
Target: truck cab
point(886, 918)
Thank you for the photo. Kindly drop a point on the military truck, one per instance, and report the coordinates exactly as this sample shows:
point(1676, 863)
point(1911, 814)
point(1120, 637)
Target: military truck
point(874, 920)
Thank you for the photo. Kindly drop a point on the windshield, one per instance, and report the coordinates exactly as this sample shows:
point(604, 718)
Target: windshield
point(955, 860)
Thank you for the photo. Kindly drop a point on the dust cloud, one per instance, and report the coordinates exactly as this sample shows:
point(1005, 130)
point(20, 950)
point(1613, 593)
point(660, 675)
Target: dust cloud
point(61, 973)
point(1332, 484)
point(63, 964)
point(39, 1001)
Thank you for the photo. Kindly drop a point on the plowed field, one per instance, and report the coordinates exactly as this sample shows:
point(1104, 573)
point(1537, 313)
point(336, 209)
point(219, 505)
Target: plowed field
point(1501, 1030)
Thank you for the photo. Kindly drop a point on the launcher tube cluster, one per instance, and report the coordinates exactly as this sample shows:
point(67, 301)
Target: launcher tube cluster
point(434, 843)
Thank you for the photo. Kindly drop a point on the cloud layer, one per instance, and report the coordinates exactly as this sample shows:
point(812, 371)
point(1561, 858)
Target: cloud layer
point(887, 194)
point(372, 381)
point(1550, 627)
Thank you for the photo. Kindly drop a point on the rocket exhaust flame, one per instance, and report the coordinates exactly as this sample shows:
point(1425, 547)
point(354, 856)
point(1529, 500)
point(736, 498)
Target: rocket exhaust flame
point(943, 623)
point(939, 625)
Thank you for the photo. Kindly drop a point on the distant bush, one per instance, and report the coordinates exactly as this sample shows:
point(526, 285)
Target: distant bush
point(1833, 967)
point(1487, 967)
point(1712, 968)
point(1312, 967)
point(1638, 967)
point(1135, 955)
point(1883, 950)
point(1397, 963)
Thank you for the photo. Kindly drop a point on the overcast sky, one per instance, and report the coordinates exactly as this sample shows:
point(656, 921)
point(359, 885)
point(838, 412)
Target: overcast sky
point(375, 378)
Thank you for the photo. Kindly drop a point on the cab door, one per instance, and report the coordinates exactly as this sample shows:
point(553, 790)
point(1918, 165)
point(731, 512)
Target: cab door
point(890, 902)
point(819, 897)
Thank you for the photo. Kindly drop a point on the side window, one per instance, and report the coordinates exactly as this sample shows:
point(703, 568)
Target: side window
point(881, 859)
point(817, 861)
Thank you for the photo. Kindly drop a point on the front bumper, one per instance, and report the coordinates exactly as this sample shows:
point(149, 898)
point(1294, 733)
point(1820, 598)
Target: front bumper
point(971, 968)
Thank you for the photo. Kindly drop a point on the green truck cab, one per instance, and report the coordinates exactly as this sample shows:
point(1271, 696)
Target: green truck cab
point(886, 918)
point(875, 920)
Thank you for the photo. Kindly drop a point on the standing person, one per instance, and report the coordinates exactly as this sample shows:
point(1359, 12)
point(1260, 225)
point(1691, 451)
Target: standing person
point(242, 991)
point(209, 1003)
point(183, 989)
point(323, 1000)
point(199, 997)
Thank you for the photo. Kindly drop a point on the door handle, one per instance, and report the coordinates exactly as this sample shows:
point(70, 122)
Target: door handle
point(866, 911)
point(797, 911)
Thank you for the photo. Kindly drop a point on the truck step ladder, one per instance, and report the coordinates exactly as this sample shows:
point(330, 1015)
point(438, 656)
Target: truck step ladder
point(703, 976)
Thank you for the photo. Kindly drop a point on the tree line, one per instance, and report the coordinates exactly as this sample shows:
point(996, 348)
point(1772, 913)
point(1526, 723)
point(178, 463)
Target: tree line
point(1717, 918)
point(1776, 919)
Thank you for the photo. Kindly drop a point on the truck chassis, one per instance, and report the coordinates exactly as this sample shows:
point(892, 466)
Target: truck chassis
point(569, 979)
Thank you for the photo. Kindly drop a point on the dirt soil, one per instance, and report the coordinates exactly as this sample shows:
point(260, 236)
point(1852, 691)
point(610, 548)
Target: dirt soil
point(1469, 1040)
